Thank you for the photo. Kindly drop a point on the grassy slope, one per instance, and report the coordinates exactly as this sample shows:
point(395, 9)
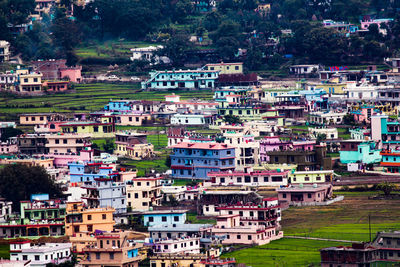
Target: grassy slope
point(283, 252)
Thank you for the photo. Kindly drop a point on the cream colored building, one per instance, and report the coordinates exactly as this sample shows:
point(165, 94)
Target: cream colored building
point(67, 143)
point(225, 68)
point(29, 82)
point(143, 193)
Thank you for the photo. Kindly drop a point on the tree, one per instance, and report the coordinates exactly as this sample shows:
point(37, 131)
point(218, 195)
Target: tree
point(387, 187)
point(320, 138)
point(176, 48)
point(231, 119)
point(212, 21)
point(109, 145)
point(10, 132)
point(19, 182)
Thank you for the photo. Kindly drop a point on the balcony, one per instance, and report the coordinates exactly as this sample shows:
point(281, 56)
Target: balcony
point(260, 219)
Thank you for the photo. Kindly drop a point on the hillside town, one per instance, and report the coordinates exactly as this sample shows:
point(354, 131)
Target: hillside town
point(205, 141)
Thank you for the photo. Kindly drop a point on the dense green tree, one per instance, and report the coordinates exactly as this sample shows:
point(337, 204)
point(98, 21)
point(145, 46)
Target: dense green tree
point(18, 182)
point(212, 21)
point(10, 132)
point(176, 48)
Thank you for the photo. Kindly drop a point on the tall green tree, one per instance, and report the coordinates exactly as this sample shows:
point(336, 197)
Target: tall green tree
point(18, 182)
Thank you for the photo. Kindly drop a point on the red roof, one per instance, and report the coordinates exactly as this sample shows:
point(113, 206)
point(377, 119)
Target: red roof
point(250, 77)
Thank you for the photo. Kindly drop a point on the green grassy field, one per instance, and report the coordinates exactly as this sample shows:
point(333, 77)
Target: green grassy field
point(192, 218)
point(283, 252)
point(344, 220)
point(5, 251)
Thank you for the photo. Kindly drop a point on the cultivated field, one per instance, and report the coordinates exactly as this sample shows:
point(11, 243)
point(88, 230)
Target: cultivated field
point(85, 98)
point(344, 220)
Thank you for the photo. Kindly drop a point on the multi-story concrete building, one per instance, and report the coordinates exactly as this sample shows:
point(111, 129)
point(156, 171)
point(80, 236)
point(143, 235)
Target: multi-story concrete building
point(81, 223)
point(133, 145)
point(143, 193)
point(160, 217)
point(103, 128)
point(326, 118)
point(113, 249)
point(352, 151)
point(195, 160)
point(88, 171)
point(174, 231)
point(105, 192)
point(271, 178)
point(32, 144)
point(298, 195)
point(311, 177)
point(246, 149)
point(191, 119)
point(234, 232)
point(190, 79)
point(40, 255)
point(385, 132)
point(67, 143)
point(28, 82)
point(266, 213)
point(306, 160)
point(181, 245)
point(37, 218)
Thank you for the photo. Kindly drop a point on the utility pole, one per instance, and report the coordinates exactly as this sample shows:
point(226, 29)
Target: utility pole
point(369, 225)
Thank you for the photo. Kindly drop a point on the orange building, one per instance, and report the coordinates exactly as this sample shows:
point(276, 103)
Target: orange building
point(81, 223)
point(114, 249)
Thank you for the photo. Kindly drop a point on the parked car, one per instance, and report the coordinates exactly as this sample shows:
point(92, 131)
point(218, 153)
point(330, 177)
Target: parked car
point(113, 78)
point(135, 79)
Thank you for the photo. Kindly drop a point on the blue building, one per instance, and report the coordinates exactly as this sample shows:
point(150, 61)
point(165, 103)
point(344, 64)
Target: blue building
point(119, 105)
point(359, 151)
point(317, 97)
point(195, 160)
point(161, 217)
point(105, 192)
point(191, 79)
point(87, 171)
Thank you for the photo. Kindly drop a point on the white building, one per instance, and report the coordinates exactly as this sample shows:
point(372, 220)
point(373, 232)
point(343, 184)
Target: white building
point(178, 246)
point(41, 254)
point(4, 51)
point(304, 69)
point(327, 118)
point(149, 54)
point(330, 133)
point(191, 119)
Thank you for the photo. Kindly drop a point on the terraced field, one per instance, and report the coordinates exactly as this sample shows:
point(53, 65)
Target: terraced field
point(84, 98)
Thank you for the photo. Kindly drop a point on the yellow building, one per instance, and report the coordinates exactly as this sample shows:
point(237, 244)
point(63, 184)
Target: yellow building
point(105, 128)
point(331, 88)
point(81, 223)
point(47, 163)
point(143, 193)
point(29, 81)
point(225, 68)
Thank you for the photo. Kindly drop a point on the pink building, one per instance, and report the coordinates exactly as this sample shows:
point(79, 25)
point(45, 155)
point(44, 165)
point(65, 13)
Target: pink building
point(73, 73)
point(274, 143)
point(230, 227)
point(56, 86)
point(9, 147)
point(298, 195)
point(363, 114)
point(49, 127)
point(267, 213)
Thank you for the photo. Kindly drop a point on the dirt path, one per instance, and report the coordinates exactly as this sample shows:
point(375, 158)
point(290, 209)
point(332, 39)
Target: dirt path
point(321, 239)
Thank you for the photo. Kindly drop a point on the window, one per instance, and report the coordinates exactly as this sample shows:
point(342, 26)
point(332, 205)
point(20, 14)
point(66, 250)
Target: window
point(238, 237)
point(176, 218)
point(90, 228)
point(164, 218)
point(111, 255)
point(97, 255)
point(104, 216)
point(284, 195)
point(89, 217)
point(309, 195)
point(249, 237)
point(37, 257)
point(151, 219)
point(25, 257)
